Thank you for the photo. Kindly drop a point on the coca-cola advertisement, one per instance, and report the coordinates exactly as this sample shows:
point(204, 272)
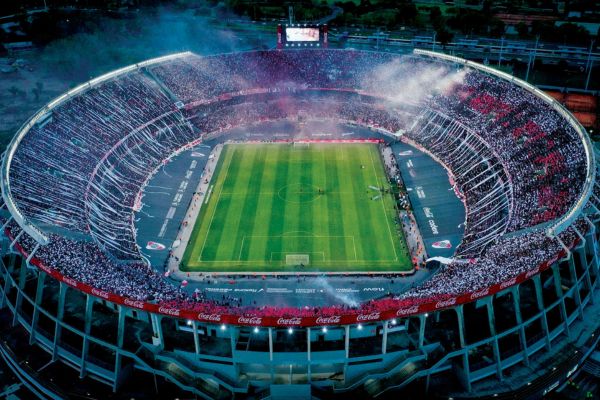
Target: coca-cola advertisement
point(209, 317)
point(133, 303)
point(407, 311)
point(69, 281)
point(249, 320)
point(368, 317)
point(253, 320)
point(100, 293)
point(446, 303)
point(479, 294)
point(289, 321)
point(328, 320)
point(169, 311)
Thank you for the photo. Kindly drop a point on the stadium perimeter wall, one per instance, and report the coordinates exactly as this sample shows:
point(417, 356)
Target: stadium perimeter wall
point(560, 292)
point(535, 324)
point(405, 310)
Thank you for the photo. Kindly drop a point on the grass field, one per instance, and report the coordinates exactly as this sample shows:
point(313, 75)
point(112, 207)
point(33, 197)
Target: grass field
point(266, 212)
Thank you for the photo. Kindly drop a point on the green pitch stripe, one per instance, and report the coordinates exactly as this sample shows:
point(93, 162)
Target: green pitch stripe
point(256, 242)
point(277, 221)
point(383, 247)
point(217, 223)
point(290, 241)
point(247, 205)
point(357, 213)
point(335, 227)
point(229, 207)
point(356, 203)
point(198, 237)
point(247, 222)
point(304, 242)
point(320, 216)
point(387, 223)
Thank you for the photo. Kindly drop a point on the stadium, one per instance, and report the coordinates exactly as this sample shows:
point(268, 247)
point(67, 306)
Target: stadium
point(300, 223)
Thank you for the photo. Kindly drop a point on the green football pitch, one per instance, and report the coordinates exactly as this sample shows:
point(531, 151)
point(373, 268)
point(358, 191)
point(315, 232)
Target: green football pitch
point(297, 208)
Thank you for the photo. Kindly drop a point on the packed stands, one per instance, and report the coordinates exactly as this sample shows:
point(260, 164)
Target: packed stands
point(516, 163)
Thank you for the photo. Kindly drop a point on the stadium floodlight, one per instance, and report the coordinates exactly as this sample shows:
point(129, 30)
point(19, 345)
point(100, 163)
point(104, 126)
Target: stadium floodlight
point(256, 329)
point(324, 329)
point(360, 327)
point(290, 331)
point(223, 327)
point(394, 322)
point(189, 322)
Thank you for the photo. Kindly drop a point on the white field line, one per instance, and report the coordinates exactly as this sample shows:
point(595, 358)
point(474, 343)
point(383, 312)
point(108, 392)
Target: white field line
point(258, 262)
point(216, 206)
point(322, 253)
point(383, 206)
point(185, 231)
point(241, 248)
point(302, 251)
point(261, 262)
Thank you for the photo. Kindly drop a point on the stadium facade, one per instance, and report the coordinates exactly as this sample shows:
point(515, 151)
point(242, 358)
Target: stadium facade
point(521, 334)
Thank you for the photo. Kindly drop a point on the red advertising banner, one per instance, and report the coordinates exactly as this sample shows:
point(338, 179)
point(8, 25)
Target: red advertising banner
point(423, 305)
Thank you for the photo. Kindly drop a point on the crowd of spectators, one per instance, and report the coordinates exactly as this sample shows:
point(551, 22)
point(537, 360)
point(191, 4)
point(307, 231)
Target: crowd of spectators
point(516, 162)
point(86, 263)
point(541, 152)
point(55, 159)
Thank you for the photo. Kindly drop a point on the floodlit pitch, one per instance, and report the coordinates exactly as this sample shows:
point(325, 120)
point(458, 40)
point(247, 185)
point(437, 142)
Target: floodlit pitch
point(298, 208)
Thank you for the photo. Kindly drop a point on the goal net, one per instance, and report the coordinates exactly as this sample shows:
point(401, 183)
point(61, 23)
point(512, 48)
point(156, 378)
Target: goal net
point(297, 259)
point(301, 144)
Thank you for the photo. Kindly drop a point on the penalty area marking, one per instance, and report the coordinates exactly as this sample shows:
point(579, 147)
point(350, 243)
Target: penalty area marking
point(295, 258)
point(284, 236)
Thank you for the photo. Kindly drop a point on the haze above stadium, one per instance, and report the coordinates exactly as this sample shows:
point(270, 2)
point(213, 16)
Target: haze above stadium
point(251, 200)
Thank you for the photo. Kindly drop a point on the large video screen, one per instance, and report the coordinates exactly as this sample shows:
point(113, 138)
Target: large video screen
point(301, 34)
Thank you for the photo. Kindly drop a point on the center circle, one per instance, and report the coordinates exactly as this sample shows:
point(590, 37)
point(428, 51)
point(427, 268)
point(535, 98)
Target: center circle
point(299, 193)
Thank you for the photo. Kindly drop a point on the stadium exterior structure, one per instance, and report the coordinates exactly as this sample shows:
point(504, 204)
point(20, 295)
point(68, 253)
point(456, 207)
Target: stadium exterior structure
point(530, 332)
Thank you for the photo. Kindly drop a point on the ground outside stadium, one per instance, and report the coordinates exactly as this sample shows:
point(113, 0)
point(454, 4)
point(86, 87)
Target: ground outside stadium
point(335, 224)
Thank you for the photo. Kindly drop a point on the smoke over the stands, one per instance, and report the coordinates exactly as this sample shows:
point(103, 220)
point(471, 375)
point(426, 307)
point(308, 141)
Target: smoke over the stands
point(399, 81)
point(106, 41)
point(340, 298)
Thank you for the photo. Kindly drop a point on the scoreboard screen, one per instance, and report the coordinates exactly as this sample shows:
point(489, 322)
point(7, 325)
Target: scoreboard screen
point(302, 34)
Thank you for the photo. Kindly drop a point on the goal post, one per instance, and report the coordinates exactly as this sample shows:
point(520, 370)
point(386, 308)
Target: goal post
point(297, 259)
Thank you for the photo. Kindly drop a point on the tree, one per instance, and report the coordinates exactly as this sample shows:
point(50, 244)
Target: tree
point(435, 17)
point(572, 33)
point(497, 27)
point(444, 36)
point(468, 21)
point(522, 29)
point(434, 13)
point(568, 33)
point(407, 12)
point(45, 28)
